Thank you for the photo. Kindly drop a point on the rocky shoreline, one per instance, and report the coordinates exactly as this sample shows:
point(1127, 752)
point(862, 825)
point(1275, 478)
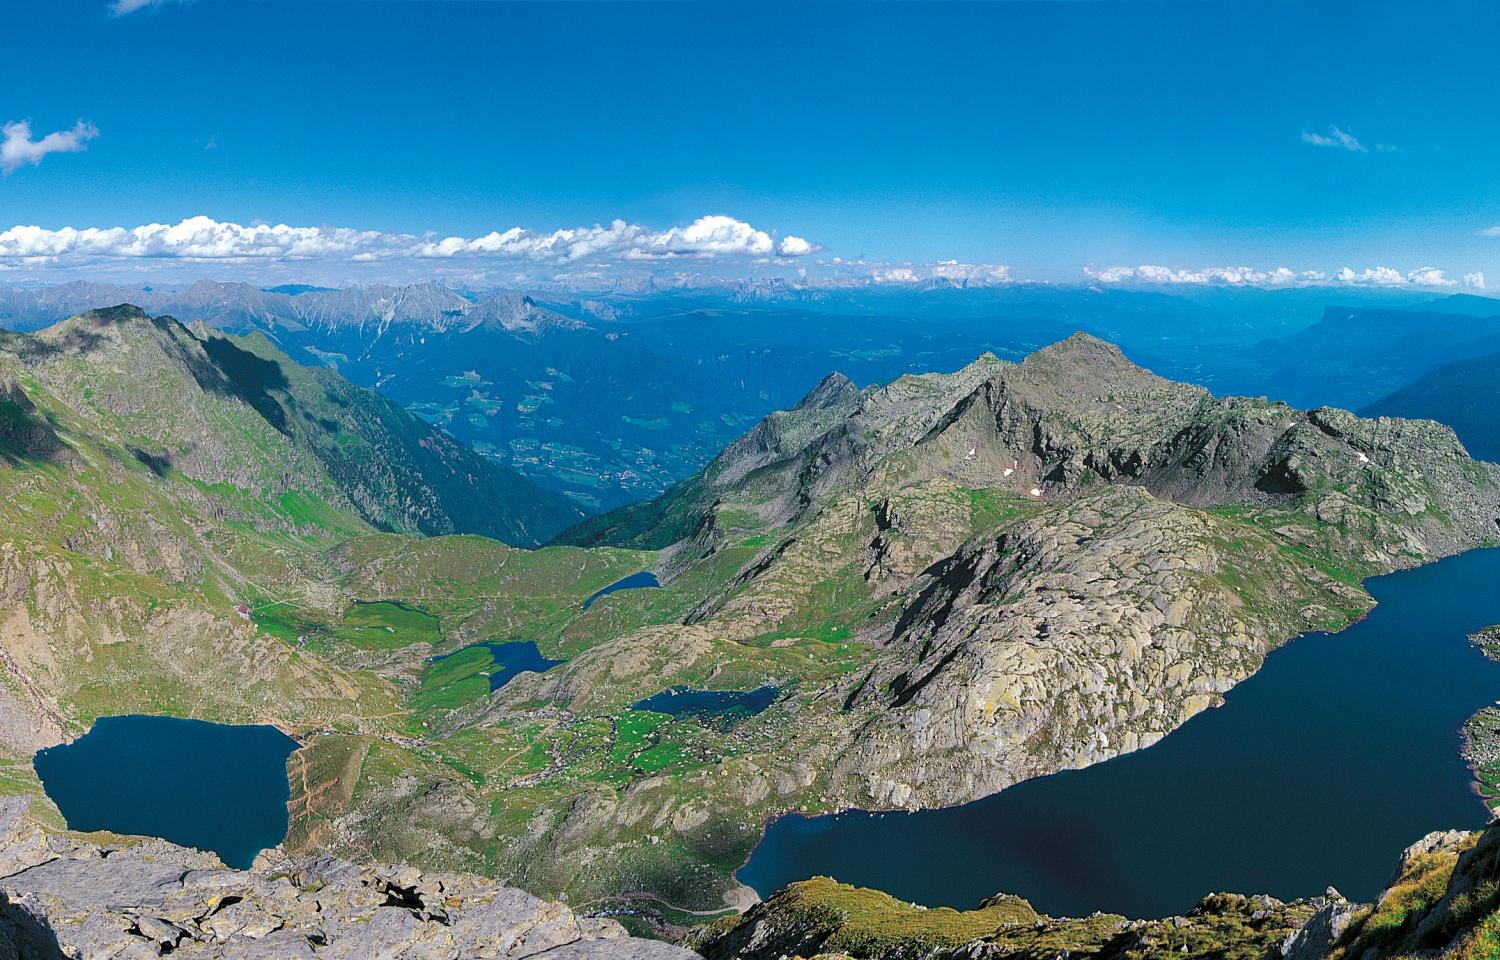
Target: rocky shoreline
point(1481, 732)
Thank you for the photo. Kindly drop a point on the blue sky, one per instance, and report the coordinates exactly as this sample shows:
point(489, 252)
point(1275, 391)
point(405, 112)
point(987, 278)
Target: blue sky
point(1044, 137)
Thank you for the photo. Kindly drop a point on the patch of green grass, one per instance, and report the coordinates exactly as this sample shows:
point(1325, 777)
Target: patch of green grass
point(989, 508)
point(386, 625)
point(310, 510)
point(283, 622)
point(869, 921)
point(660, 757)
point(455, 680)
point(1421, 884)
point(1481, 943)
point(635, 732)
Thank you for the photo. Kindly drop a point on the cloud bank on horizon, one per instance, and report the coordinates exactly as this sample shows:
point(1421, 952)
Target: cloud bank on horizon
point(204, 242)
point(711, 248)
point(1431, 278)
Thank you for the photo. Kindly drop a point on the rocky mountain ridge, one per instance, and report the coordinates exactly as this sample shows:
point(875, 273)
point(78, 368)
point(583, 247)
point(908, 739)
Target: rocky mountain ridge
point(68, 896)
point(246, 415)
point(243, 308)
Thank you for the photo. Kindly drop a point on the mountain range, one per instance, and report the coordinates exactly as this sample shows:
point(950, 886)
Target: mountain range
point(1464, 394)
point(912, 594)
point(613, 397)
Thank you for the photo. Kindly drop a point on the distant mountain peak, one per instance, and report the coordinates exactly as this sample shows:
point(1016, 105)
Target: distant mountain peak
point(830, 391)
point(105, 316)
point(1080, 347)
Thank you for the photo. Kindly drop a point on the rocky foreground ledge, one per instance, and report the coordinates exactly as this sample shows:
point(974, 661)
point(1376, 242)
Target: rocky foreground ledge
point(62, 896)
point(1442, 901)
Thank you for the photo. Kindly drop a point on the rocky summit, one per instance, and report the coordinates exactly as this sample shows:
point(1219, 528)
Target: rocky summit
point(65, 896)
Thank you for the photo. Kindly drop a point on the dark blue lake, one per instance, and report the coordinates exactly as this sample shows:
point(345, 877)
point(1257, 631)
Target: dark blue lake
point(635, 581)
point(509, 659)
point(206, 785)
point(724, 706)
point(1342, 751)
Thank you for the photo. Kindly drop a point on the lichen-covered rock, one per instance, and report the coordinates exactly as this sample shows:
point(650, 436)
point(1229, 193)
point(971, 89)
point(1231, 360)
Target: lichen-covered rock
point(63, 896)
point(1318, 936)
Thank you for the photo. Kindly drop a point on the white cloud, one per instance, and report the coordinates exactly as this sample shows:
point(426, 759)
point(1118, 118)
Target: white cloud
point(1475, 280)
point(196, 238)
point(704, 238)
point(793, 247)
point(203, 238)
point(856, 271)
point(1337, 138)
point(17, 148)
point(1490, 231)
point(1109, 274)
point(1228, 276)
point(1428, 277)
point(954, 270)
point(1373, 276)
point(120, 8)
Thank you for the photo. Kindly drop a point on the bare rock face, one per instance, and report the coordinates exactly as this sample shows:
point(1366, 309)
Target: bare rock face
point(1317, 937)
point(66, 897)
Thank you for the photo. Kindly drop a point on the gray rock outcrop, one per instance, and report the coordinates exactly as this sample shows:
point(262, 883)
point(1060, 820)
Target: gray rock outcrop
point(63, 896)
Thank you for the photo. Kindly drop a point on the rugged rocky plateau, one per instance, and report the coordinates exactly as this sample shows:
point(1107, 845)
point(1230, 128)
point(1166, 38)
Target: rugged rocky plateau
point(66, 896)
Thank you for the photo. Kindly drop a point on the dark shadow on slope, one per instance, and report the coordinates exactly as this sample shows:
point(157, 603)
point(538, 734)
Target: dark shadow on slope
point(158, 463)
point(30, 933)
point(26, 433)
point(252, 379)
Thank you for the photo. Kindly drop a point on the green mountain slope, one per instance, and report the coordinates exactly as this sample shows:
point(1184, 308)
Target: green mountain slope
point(122, 558)
point(148, 487)
point(226, 410)
point(398, 471)
point(1465, 395)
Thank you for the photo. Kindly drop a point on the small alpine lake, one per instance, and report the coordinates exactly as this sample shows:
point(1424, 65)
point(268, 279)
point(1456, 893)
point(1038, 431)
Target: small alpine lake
point(723, 707)
point(213, 786)
point(506, 660)
point(636, 581)
point(1320, 769)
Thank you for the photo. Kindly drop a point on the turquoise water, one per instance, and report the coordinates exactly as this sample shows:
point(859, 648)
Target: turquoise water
point(1318, 770)
point(723, 707)
point(517, 656)
point(635, 581)
point(206, 785)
